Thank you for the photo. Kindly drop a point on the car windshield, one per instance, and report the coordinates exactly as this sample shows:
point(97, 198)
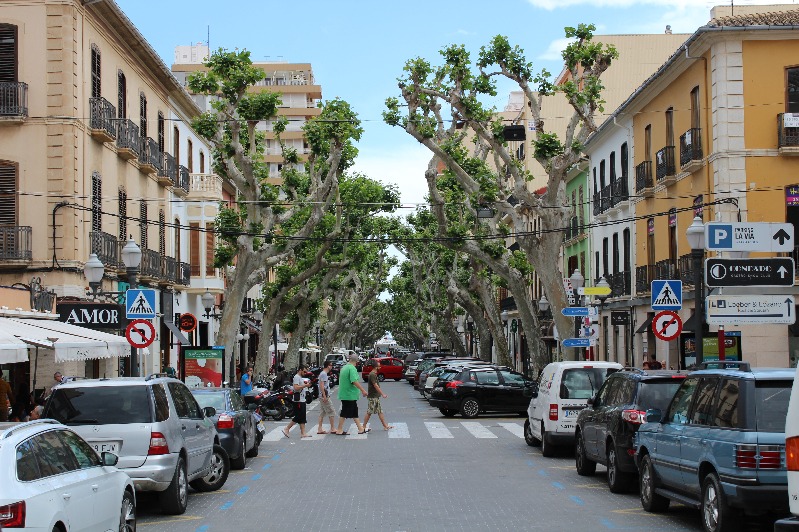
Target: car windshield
point(216, 400)
point(100, 405)
point(657, 393)
point(583, 383)
point(771, 403)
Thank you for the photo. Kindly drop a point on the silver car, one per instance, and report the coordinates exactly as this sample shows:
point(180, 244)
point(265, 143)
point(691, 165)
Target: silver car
point(162, 437)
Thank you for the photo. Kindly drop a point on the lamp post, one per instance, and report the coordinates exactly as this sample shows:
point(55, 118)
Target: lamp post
point(543, 308)
point(470, 325)
point(696, 239)
point(94, 271)
point(577, 281)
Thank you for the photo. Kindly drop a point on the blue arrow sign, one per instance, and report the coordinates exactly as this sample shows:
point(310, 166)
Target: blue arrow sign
point(575, 311)
point(577, 342)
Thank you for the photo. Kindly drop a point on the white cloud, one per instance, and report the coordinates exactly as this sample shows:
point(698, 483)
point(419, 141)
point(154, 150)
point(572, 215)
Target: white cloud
point(403, 165)
point(674, 4)
point(553, 51)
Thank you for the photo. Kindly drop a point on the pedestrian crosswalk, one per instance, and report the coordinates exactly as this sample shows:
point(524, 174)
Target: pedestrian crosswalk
point(427, 429)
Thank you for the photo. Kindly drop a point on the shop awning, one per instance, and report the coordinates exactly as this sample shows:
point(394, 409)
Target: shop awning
point(179, 336)
point(644, 326)
point(69, 342)
point(281, 346)
point(12, 349)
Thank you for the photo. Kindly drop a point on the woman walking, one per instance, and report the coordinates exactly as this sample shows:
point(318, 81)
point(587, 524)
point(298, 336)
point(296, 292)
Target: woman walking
point(301, 386)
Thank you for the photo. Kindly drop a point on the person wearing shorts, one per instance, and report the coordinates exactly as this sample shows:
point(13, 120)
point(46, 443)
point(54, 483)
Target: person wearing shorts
point(373, 398)
point(348, 388)
point(301, 386)
point(325, 402)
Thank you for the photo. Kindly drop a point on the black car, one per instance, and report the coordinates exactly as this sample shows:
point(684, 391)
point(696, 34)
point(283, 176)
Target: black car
point(606, 427)
point(236, 425)
point(479, 389)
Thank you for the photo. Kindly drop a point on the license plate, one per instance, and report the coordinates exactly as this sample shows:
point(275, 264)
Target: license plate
point(106, 446)
point(261, 427)
point(571, 413)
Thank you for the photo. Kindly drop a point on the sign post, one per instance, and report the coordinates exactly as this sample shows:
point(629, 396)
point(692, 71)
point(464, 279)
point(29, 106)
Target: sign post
point(667, 325)
point(751, 309)
point(749, 236)
point(749, 272)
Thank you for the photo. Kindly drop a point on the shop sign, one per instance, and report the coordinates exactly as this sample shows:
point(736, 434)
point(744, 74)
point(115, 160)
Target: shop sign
point(91, 315)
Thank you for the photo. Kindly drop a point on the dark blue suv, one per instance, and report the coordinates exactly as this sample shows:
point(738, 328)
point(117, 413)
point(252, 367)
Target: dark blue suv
point(720, 445)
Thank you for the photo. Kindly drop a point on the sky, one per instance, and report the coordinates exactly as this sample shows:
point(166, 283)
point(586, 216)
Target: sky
point(357, 48)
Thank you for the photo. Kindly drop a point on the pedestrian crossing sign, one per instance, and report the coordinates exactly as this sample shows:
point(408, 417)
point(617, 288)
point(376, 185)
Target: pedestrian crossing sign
point(667, 295)
point(140, 303)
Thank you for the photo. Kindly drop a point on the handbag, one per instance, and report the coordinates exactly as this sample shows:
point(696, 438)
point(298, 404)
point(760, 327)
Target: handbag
point(296, 397)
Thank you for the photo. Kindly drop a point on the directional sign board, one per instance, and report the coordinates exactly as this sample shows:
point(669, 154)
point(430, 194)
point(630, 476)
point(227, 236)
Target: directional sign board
point(140, 303)
point(140, 333)
point(749, 272)
point(594, 291)
point(759, 308)
point(667, 295)
point(579, 311)
point(743, 236)
point(667, 325)
point(577, 342)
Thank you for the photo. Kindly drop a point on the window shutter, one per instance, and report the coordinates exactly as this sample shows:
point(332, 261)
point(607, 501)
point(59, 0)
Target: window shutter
point(143, 224)
point(194, 248)
point(122, 95)
point(209, 250)
point(123, 214)
point(177, 240)
point(8, 53)
point(8, 193)
point(97, 202)
point(161, 233)
point(161, 131)
point(143, 115)
point(96, 84)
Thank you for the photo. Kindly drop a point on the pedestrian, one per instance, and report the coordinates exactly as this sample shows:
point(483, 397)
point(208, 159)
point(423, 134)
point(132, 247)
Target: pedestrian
point(325, 402)
point(654, 364)
point(373, 398)
point(348, 386)
point(5, 398)
point(645, 364)
point(301, 386)
point(246, 381)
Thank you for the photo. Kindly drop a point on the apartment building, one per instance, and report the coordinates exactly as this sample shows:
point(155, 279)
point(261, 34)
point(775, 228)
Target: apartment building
point(96, 148)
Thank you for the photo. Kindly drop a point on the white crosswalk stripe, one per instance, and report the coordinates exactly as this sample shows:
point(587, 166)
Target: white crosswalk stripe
point(400, 430)
point(353, 433)
point(514, 428)
point(477, 430)
point(437, 430)
point(276, 434)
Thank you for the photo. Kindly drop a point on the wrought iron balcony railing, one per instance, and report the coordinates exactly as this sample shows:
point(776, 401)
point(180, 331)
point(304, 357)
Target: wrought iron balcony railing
point(151, 264)
point(13, 99)
point(619, 283)
point(644, 275)
point(665, 269)
point(102, 119)
point(128, 139)
point(15, 243)
point(607, 192)
point(787, 131)
point(691, 146)
point(184, 274)
point(685, 265)
point(150, 159)
point(169, 269)
point(619, 191)
point(184, 179)
point(665, 163)
point(643, 176)
point(597, 203)
point(169, 170)
point(106, 247)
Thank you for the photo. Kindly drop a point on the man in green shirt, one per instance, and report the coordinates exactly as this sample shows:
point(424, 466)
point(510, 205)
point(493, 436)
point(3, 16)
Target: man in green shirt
point(348, 393)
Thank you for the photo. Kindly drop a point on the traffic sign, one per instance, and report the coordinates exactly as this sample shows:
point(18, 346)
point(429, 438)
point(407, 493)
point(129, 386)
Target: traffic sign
point(667, 325)
point(579, 311)
point(759, 308)
point(745, 236)
point(749, 272)
point(595, 291)
point(140, 303)
point(140, 333)
point(577, 342)
point(667, 295)
point(187, 322)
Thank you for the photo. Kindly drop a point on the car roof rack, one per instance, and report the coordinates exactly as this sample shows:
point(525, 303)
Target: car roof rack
point(27, 424)
point(633, 368)
point(156, 375)
point(725, 364)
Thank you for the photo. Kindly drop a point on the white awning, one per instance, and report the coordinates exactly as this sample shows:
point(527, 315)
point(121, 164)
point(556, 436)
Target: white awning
point(281, 346)
point(70, 342)
point(12, 349)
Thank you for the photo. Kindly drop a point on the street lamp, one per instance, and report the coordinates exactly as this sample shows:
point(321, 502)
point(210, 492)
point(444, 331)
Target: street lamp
point(696, 239)
point(578, 281)
point(602, 283)
point(209, 304)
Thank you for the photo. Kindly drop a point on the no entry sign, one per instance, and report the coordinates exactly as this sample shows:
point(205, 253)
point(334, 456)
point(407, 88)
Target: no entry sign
point(140, 333)
point(667, 325)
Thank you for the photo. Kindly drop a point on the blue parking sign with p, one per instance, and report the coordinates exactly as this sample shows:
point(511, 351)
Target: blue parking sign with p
point(720, 236)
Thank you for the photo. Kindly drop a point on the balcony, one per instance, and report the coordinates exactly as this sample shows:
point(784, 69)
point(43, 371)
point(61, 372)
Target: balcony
point(106, 247)
point(573, 230)
point(665, 170)
point(150, 265)
point(665, 269)
point(169, 170)
point(620, 283)
point(13, 102)
point(597, 203)
point(184, 274)
point(644, 275)
point(128, 139)
point(205, 186)
point(691, 150)
point(150, 160)
point(183, 184)
point(643, 179)
point(15, 246)
point(685, 265)
point(169, 271)
point(619, 191)
point(788, 133)
point(507, 303)
point(102, 120)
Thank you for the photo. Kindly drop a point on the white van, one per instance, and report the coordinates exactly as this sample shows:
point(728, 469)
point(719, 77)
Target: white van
point(563, 390)
point(792, 459)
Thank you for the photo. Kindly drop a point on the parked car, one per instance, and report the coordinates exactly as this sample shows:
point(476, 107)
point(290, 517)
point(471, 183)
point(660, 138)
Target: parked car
point(563, 391)
point(446, 368)
point(51, 479)
point(476, 390)
point(719, 446)
point(792, 461)
point(235, 424)
point(410, 371)
point(390, 368)
point(164, 440)
point(437, 363)
point(605, 428)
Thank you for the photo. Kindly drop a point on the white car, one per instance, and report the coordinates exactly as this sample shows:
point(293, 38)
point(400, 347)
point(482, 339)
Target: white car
point(51, 479)
point(792, 460)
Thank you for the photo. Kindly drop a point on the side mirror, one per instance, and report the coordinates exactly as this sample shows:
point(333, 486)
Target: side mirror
point(209, 411)
point(109, 459)
point(654, 415)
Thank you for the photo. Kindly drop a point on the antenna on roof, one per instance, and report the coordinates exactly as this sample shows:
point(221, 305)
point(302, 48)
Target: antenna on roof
point(208, 42)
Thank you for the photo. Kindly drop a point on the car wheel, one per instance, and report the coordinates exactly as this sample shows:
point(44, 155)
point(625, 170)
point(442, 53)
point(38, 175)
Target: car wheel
point(381, 377)
point(531, 440)
point(279, 413)
point(547, 449)
point(397, 380)
point(650, 501)
point(470, 407)
point(717, 516)
point(240, 462)
point(217, 475)
point(253, 452)
point(127, 517)
point(585, 466)
point(175, 498)
point(424, 393)
point(448, 412)
point(618, 481)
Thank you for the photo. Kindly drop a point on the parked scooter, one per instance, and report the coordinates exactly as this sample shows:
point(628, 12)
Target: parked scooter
point(268, 403)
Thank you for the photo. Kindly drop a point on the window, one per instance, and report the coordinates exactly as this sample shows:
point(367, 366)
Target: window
point(123, 214)
point(673, 236)
point(84, 454)
point(215, 400)
point(678, 411)
point(161, 403)
point(179, 400)
point(100, 405)
point(53, 455)
point(512, 379)
point(596, 189)
point(648, 143)
point(486, 377)
point(209, 249)
point(202, 162)
point(626, 246)
point(771, 402)
point(176, 144)
point(581, 209)
point(670, 126)
point(727, 404)
point(583, 383)
point(695, 107)
point(97, 205)
point(143, 114)
point(792, 89)
point(609, 392)
point(122, 95)
point(602, 182)
point(597, 274)
point(143, 225)
point(190, 156)
point(703, 406)
point(8, 193)
point(624, 160)
point(161, 131)
point(605, 258)
point(8, 53)
point(657, 394)
point(194, 248)
point(615, 253)
point(96, 83)
point(27, 466)
point(177, 239)
point(236, 401)
point(161, 232)
point(612, 166)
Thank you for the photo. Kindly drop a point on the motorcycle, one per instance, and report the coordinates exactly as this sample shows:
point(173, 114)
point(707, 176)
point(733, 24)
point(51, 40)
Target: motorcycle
point(268, 403)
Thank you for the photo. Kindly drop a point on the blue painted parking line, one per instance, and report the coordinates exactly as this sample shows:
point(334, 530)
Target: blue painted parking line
point(201, 528)
point(543, 472)
point(276, 457)
point(256, 477)
point(227, 505)
point(577, 500)
point(607, 523)
point(530, 463)
point(243, 490)
point(266, 466)
point(558, 485)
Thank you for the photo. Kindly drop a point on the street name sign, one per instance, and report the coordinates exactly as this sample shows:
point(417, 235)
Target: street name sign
point(754, 236)
point(749, 272)
point(140, 303)
point(577, 342)
point(667, 325)
point(667, 295)
point(594, 291)
point(579, 311)
point(759, 308)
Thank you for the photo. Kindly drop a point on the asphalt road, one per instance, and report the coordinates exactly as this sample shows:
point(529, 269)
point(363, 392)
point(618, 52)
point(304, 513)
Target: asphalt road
point(428, 473)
